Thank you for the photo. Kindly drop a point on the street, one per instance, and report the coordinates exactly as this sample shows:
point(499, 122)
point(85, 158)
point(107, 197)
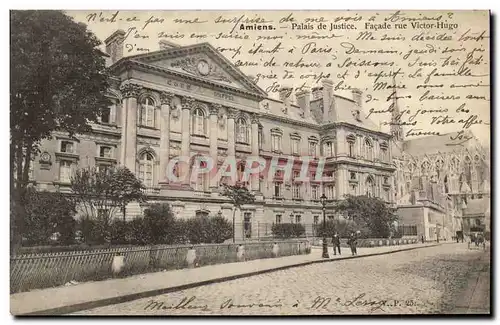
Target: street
point(442, 279)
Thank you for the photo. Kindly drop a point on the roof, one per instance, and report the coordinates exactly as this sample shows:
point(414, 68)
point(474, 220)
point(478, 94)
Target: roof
point(344, 111)
point(477, 206)
point(277, 108)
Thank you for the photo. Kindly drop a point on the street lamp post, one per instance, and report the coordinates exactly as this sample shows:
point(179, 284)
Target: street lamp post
point(325, 245)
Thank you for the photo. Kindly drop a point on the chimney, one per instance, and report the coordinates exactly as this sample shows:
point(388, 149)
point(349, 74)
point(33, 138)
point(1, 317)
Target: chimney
point(165, 45)
point(285, 95)
point(114, 45)
point(317, 92)
point(304, 101)
point(357, 96)
point(328, 99)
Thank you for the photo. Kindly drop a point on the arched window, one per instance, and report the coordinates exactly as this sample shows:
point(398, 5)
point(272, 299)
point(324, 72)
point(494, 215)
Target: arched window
point(370, 186)
point(242, 130)
point(146, 163)
point(147, 112)
point(368, 149)
point(198, 122)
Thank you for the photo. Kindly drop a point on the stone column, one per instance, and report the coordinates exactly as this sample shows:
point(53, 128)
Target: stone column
point(255, 149)
point(231, 136)
point(129, 135)
point(341, 186)
point(187, 105)
point(166, 100)
point(214, 135)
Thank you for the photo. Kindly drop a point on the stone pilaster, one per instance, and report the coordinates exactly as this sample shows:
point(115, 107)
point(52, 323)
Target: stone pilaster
point(130, 93)
point(166, 100)
point(187, 105)
point(231, 137)
point(214, 135)
point(255, 149)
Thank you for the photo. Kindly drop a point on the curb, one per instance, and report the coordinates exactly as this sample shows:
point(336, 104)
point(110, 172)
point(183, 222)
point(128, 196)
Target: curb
point(145, 294)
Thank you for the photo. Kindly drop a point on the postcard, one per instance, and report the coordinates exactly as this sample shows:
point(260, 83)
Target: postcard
point(250, 162)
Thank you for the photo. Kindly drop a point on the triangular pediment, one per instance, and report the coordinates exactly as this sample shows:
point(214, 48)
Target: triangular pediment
point(203, 62)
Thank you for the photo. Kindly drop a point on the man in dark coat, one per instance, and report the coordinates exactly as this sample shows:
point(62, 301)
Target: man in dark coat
point(336, 244)
point(353, 242)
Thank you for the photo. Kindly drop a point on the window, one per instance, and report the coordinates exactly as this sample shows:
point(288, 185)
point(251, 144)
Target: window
point(353, 176)
point(295, 146)
point(386, 180)
point(201, 183)
point(312, 149)
point(296, 191)
point(103, 168)
point(383, 154)
point(247, 226)
point(106, 115)
point(315, 192)
point(329, 192)
point(351, 149)
point(370, 190)
point(67, 147)
point(277, 189)
point(146, 169)
point(65, 171)
point(276, 142)
point(242, 131)
point(316, 220)
point(353, 189)
point(298, 218)
point(351, 141)
point(278, 218)
point(328, 149)
point(105, 152)
point(198, 122)
point(147, 112)
point(368, 149)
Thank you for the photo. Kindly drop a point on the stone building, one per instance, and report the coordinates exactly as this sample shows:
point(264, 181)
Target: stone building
point(435, 178)
point(191, 100)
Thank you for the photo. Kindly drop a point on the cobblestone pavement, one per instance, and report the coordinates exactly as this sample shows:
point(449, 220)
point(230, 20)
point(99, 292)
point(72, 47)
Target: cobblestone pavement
point(423, 281)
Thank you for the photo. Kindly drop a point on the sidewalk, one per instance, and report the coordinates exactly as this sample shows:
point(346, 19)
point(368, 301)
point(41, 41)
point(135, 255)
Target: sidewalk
point(88, 295)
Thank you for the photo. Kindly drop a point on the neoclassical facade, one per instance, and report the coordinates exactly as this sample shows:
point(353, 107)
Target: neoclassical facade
point(191, 101)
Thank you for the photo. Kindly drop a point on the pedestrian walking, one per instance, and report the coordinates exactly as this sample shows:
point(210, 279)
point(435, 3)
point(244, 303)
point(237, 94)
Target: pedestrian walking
point(336, 244)
point(352, 244)
point(423, 239)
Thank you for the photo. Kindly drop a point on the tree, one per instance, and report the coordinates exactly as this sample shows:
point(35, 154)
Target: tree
point(48, 213)
point(58, 82)
point(159, 222)
point(369, 212)
point(101, 193)
point(238, 195)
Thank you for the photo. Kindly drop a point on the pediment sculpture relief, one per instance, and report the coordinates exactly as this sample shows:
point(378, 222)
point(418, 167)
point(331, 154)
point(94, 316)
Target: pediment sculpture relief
point(201, 67)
